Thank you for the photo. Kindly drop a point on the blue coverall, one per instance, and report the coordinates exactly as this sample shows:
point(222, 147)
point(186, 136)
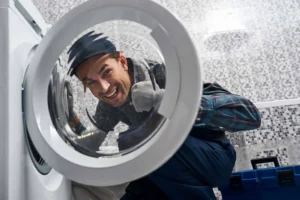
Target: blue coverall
point(206, 158)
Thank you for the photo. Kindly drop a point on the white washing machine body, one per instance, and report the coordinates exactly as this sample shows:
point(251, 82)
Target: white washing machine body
point(28, 56)
point(22, 28)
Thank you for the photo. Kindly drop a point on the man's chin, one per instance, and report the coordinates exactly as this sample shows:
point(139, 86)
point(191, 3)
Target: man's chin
point(118, 104)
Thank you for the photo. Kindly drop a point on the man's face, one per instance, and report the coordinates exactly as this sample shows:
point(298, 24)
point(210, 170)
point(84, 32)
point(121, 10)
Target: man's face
point(107, 78)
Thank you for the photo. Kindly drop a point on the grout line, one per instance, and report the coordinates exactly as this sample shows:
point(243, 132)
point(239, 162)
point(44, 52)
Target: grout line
point(285, 102)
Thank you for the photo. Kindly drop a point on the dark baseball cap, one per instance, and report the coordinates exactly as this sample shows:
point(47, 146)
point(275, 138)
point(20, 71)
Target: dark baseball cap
point(88, 46)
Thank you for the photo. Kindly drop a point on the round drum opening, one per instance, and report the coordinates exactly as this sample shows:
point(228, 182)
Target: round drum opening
point(117, 90)
point(106, 88)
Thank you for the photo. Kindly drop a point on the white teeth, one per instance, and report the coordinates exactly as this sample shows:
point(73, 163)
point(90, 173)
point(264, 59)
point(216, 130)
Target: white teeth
point(111, 94)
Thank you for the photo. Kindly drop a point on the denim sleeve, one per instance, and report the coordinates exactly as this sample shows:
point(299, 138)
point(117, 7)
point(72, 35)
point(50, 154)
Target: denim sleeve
point(105, 118)
point(227, 112)
point(219, 109)
point(159, 71)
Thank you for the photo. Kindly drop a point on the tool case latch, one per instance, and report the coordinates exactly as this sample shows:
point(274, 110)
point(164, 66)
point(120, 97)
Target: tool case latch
point(235, 182)
point(286, 177)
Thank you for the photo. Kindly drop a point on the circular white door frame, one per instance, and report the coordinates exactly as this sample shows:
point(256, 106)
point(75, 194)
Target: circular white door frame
point(179, 106)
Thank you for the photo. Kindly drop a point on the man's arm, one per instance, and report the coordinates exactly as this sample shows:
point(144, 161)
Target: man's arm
point(219, 109)
point(222, 110)
point(103, 120)
point(106, 118)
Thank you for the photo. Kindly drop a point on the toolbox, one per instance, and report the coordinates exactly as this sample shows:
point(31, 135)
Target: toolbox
point(275, 183)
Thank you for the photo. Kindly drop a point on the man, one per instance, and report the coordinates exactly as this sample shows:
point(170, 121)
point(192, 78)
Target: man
point(127, 92)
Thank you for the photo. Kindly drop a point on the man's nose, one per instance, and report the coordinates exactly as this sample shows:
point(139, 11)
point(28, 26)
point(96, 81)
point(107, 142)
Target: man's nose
point(103, 85)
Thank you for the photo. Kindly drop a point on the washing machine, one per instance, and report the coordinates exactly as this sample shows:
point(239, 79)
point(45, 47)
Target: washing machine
point(40, 155)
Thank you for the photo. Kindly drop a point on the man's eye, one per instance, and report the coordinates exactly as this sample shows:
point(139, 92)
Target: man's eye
point(89, 83)
point(106, 72)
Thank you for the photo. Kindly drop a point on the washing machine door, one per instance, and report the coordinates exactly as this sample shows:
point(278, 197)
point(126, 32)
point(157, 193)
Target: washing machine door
point(149, 137)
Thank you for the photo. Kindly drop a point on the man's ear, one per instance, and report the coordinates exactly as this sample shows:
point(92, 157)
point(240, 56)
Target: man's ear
point(123, 61)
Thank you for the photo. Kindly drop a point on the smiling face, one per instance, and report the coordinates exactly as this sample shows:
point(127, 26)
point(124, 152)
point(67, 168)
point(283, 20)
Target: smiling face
point(107, 78)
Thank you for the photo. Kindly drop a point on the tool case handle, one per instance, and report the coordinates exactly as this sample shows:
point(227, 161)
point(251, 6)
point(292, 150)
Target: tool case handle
point(254, 162)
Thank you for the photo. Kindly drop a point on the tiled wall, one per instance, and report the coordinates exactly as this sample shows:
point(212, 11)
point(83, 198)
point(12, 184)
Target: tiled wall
point(278, 135)
point(256, 55)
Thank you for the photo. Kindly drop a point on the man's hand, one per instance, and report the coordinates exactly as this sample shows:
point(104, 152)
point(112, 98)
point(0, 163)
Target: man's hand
point(144, 97)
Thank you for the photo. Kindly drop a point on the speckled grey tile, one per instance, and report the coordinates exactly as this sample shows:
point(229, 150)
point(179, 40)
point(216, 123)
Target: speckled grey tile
point(273, 40)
